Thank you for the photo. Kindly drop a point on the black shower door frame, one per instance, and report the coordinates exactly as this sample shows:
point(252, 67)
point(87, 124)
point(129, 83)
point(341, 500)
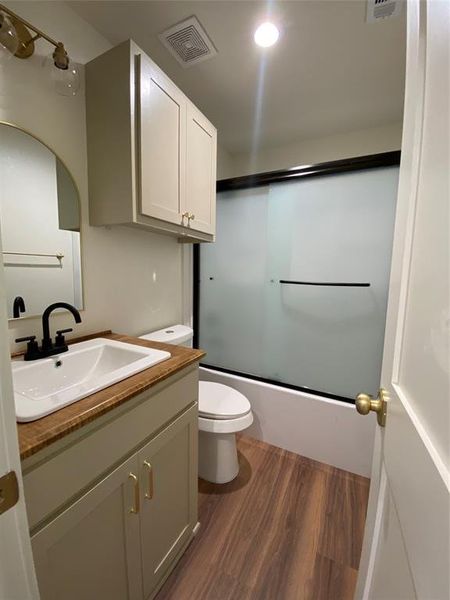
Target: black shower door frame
point(359, 163)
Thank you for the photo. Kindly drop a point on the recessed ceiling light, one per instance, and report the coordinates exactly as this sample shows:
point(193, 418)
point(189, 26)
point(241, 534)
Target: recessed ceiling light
point(266, 35)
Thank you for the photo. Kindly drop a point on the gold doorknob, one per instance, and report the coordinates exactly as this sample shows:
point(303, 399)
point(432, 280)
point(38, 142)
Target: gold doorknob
point(191, 216)
point(366, 403)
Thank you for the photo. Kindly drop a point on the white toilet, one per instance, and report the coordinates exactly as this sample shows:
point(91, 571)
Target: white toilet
point(223, 411)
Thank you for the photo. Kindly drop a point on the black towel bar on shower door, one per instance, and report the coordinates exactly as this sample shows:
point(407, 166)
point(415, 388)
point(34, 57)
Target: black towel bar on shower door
point(329, 283)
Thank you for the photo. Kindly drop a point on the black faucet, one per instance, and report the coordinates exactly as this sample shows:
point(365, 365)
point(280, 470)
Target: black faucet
point(60, 344)
point(18, 306)
point(49, 348)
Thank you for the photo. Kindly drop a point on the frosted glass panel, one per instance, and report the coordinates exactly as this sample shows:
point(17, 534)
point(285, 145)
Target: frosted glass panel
point(233, 273)
point(336, 228)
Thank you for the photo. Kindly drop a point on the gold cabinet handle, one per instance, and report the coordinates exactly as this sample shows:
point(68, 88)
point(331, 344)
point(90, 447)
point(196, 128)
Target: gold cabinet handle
point(149, 493)
point(366, 403)
point(187, 215)
point(135, 509)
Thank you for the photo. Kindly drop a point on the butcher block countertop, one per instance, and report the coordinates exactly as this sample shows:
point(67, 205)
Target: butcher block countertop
point(36, 435)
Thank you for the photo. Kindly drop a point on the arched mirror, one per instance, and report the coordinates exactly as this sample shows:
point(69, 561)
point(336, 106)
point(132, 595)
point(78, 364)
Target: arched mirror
point(40, 226)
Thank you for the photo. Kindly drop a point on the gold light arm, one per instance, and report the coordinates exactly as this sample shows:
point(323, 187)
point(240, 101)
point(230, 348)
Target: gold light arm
point(40, 34)
point(27, 41)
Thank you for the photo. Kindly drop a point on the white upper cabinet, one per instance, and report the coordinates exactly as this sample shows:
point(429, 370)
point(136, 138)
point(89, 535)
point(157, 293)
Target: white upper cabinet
point(161, 139)
point(200, 196)
point(151, 153)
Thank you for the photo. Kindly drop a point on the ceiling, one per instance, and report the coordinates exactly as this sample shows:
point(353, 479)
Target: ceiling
point(330, 72)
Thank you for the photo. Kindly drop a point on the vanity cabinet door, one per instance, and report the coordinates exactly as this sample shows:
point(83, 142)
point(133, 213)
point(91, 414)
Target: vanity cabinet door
point(92, 550)
point(201, 145)
point(168, 466)
point(161, 140)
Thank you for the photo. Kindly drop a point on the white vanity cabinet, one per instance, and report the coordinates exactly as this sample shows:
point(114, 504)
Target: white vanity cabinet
point(151, 152)
point(167, 509)
point(119, 538)
point(91, 550)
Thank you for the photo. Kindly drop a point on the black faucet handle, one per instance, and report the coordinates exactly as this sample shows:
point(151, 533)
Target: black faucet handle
point(29, 338)
point(60, 340)
point(32, 347)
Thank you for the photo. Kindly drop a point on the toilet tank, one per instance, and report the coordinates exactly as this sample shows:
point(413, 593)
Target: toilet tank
point(180, 335)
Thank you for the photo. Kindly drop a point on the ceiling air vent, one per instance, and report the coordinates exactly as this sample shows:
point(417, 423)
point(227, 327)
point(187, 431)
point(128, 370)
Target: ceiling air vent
point(379, 10)
point(188, 42)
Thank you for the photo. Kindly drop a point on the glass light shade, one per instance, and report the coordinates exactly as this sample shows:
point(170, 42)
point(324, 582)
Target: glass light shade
point(65, 82)
point(9, 41)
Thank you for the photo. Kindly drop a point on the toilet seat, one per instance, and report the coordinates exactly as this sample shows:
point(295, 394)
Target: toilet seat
point(225, 425)
point(221, 402)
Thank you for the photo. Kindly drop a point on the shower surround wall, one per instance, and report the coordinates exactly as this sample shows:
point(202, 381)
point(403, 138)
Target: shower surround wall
point(326, 430)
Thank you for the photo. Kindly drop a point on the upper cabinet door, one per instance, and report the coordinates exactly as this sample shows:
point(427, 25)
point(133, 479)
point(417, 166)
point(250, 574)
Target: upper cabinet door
point(161, 143)
point(200, 199)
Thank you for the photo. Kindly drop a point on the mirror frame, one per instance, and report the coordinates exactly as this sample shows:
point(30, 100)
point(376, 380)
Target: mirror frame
point(37, 138)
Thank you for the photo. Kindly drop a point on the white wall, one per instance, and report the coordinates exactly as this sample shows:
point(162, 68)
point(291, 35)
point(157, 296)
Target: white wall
point(305, 152)
point(132, 278)
point(225, 164)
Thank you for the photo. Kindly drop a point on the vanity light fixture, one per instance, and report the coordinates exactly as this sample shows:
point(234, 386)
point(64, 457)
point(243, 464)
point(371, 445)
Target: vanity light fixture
point(266, 34)
point(17, 38)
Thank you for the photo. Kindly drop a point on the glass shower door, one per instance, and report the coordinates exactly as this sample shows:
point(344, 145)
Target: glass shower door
point(334, 229)
point(233, 275)
point(254, 319)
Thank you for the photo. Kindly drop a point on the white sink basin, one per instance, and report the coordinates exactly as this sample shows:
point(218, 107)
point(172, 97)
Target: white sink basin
point(44, 386)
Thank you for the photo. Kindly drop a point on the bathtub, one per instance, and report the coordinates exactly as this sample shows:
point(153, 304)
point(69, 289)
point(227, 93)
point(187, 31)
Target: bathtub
point(326, 430)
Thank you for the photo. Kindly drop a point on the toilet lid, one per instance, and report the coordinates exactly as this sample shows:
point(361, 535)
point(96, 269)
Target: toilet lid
point(218, 401)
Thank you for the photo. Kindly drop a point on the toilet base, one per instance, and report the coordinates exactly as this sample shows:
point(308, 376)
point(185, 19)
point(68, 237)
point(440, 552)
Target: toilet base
point(217, 457)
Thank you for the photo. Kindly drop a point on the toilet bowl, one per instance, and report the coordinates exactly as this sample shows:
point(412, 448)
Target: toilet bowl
point(222, 410)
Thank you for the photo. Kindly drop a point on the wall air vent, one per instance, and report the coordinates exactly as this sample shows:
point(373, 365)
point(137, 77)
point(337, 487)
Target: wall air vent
point(379, 10)
point(188, 42)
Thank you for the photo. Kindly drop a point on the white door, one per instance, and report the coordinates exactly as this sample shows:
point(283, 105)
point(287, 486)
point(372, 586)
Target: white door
point(162, 144)
point(17, 578)
point(406, 545)
point(201, 147)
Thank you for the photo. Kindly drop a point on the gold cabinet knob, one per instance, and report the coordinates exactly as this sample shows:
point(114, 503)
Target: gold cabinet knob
point(187, 215)
point(366, 403)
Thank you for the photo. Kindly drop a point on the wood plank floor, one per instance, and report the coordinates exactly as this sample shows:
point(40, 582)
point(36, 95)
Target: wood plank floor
point(288, 528)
